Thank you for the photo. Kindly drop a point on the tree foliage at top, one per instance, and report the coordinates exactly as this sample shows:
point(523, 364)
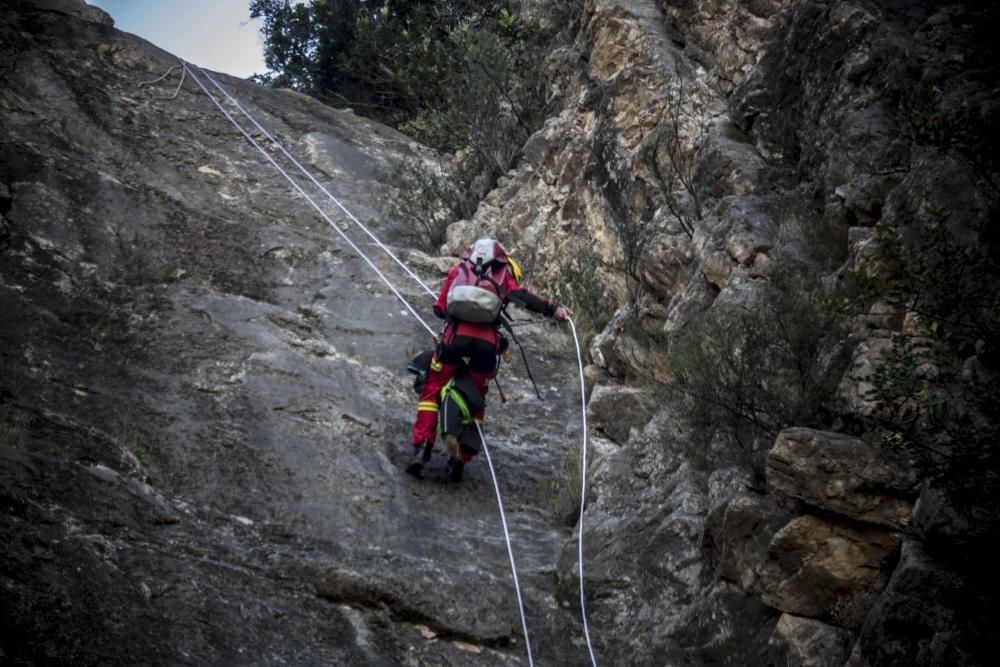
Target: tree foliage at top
point(452, 73)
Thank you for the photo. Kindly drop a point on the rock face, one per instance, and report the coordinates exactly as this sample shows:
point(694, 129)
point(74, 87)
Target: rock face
point(203, 413)
point(843, 475)
point(615, 411)
point(809, 643)
point(815, 564)
point(797, 122)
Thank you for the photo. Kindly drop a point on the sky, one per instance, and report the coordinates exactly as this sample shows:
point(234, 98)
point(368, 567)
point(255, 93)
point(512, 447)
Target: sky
point(216, 34)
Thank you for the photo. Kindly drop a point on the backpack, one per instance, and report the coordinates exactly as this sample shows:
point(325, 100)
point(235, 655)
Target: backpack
point(476, 293)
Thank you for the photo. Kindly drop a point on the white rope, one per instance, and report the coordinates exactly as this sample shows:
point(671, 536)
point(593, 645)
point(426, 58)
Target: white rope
point(161, 77)
point(307, 197)
point(319, 185)
point(177, 90)
point(583, 494)
point(510, 550)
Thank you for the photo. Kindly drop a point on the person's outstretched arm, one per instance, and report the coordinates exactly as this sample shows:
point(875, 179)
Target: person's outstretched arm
point(525, 298)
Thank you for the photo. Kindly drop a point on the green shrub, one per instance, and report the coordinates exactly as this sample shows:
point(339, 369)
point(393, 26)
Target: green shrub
point(13, 427)
point(424, 201)
point(937, 392)
point(749, 370)
point(451, 74)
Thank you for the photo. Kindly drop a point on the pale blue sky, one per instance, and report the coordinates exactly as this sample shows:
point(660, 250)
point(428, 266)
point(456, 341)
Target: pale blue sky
point(216, 34)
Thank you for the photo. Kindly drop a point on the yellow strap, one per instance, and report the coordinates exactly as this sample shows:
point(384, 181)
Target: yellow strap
point(515, 269)
point(427, 406)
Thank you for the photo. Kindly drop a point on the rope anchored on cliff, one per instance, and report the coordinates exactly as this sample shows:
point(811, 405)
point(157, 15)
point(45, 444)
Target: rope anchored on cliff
point(306, 196)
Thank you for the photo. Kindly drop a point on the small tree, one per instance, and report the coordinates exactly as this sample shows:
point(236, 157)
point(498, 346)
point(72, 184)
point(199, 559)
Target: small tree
point(581, 288)
point(425, 199)
point(752, 369)
point(451, 73)
point(612, 172)
point(937, 392)
point(672, 161)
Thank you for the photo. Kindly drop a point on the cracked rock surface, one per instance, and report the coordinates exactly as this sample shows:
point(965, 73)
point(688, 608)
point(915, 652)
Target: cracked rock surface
point(204, 410)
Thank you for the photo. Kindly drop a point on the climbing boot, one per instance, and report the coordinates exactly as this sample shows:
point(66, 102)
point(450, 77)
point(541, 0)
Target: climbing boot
point(421, 455)
point(454, 469)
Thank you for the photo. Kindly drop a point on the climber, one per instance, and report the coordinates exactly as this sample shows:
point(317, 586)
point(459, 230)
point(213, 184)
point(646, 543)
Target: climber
point(471, 303)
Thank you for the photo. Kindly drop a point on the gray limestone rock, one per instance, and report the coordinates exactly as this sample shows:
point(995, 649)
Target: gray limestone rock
point(695, 298)
point(815, 566)
point(855, 387)
point(619, 347)
point(738, 534)
point(842, 474)
point(615, 411)
point(204, 412)
point(806, 642)
point(929, 614)
point(751, 229)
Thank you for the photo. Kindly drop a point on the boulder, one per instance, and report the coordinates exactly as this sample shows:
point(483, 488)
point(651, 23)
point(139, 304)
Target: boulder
point(728, 625)
point(737, 536)
point(458, 236)
point(954, 532)
point(724, 483)
point(751, 228)
point(696, 297)
point(855, 388)
point(666, 264)
point(864, 196)
point(884, 318)
point(418, 260)
point(816, 565)
point(615, 410)
point(619, 348)
point(842, 474)
point(729, 164)
point(709, 247)
point(806, 642)
point(928, 615)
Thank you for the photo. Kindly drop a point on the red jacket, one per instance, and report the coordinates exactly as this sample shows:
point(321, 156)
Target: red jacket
point(486, 330)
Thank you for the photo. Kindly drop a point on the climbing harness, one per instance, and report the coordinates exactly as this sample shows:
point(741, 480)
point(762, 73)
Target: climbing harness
point(186, 69)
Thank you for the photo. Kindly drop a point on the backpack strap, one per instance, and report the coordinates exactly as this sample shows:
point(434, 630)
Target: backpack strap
point(481, 273)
